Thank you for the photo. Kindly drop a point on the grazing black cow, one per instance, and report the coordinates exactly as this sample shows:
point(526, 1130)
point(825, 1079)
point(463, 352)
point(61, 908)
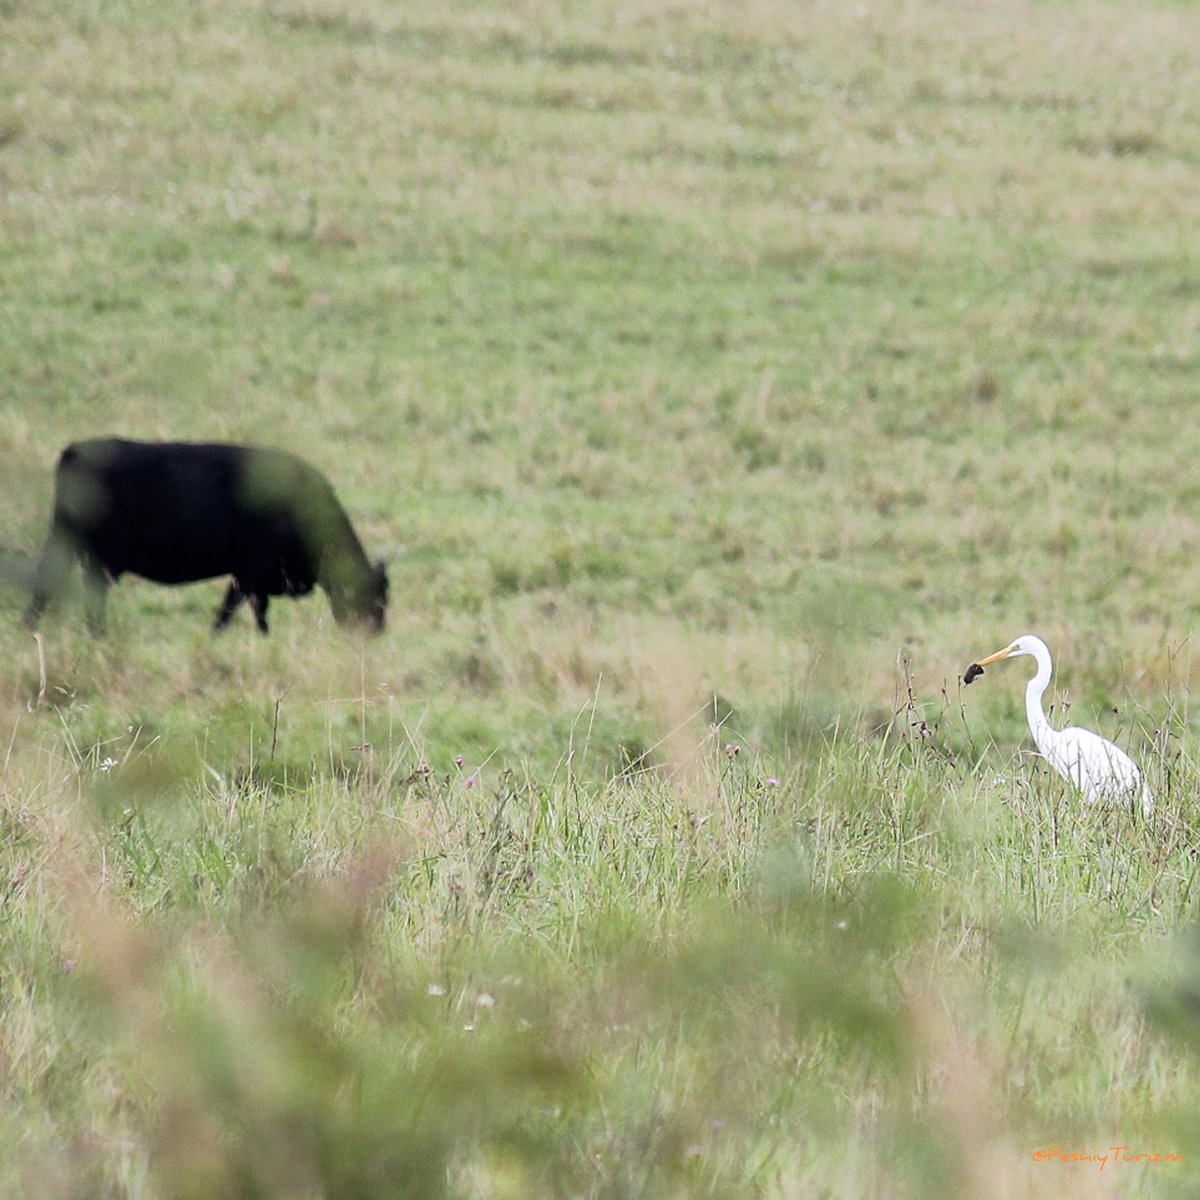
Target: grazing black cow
point(177, 512)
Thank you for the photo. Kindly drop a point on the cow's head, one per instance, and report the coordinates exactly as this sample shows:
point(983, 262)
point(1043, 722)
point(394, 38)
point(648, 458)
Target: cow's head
point(364, 602)
point(376, 608)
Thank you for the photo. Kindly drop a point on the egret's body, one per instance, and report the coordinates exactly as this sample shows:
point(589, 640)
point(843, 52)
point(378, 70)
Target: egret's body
point(1101, 770)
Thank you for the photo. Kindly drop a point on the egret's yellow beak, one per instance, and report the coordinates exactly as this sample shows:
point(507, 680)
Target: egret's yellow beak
point(991, 658)
point(974, 671)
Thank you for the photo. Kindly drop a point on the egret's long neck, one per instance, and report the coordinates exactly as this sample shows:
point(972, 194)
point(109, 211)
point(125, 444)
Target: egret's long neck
point(1043, 732)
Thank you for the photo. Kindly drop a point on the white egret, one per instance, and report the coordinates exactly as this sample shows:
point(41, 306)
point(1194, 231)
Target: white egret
point(1100, 770)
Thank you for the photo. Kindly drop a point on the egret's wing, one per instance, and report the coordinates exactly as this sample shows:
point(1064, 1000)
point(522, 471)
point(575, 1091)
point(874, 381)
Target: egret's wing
point(1100, 769)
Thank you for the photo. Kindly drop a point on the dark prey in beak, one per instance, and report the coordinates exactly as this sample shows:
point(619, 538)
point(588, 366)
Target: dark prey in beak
point(972, 673)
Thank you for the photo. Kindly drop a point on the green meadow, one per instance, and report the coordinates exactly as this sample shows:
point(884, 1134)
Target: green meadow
point(718, 380)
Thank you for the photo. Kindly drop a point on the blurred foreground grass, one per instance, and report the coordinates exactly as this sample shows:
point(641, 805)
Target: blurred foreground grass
point(877, 976)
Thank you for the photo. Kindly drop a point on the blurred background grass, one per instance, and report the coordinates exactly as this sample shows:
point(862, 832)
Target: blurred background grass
point(720, 380)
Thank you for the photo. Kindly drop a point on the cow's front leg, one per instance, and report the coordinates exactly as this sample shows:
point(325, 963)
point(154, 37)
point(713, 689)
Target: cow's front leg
point(259, 602)
point(233, 597)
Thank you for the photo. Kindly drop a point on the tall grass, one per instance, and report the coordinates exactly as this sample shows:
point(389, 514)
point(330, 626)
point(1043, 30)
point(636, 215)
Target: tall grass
point(876, 977)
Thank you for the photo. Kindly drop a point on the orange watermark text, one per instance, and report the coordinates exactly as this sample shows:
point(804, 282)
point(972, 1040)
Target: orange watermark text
point(1109, 1157)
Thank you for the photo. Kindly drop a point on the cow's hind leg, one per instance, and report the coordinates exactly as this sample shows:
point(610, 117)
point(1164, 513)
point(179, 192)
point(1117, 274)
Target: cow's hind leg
point(233, 597)
point(50, 577)
point(95, 595)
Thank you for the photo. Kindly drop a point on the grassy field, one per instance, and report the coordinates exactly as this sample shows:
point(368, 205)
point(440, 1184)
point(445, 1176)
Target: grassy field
point(719, 381)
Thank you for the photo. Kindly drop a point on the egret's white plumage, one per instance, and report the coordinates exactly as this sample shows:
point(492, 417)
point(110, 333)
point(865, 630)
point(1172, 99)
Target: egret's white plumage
point(1099, 769)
